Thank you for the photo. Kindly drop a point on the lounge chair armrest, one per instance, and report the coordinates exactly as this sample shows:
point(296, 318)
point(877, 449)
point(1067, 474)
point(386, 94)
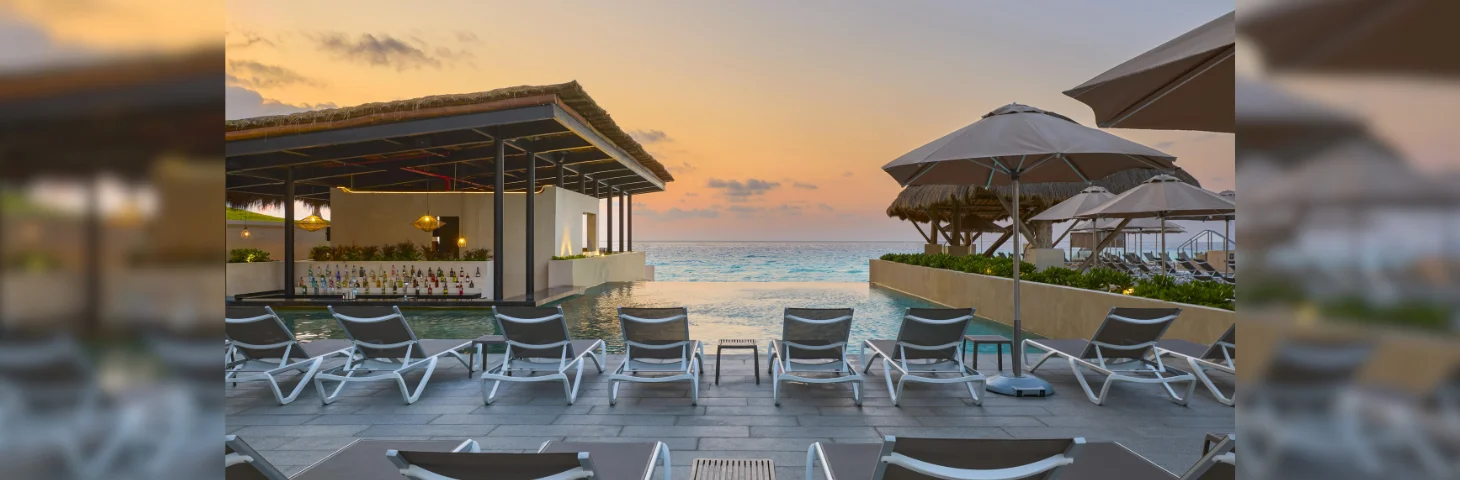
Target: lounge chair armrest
point(468, 445)
point(235, 459)
point(947, 473)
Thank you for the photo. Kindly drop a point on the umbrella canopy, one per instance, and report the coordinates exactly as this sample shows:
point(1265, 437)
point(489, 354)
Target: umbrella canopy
point(1163, 196)
point(1183, 84)
point(1356, 173)
point(1138, 225)
point(1025, 142)
point(1357, 36)
point(1272, 119)
point(1087, 199)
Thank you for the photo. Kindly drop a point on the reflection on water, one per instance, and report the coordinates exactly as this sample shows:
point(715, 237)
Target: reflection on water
point(716, 310)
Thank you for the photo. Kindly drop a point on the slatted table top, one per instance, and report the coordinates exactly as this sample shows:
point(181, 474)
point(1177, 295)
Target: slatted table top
point(732, 469)
point(737, 342)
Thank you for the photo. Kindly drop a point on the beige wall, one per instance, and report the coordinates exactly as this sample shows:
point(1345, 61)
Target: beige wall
point(591, 271)
point(1049, 310)
point(269, 237)
point(378, 218)
point(242, 278)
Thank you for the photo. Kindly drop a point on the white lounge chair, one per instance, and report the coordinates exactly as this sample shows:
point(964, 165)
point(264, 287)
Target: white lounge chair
point(656, 340)
point(553, 461)
point(538, 341)
point(929, 342)
point(261, 347)
point(813, 341)
point(383, 348)
point(1123, 348)
point(242, 462)
point(1221, 356)
point(944, 458)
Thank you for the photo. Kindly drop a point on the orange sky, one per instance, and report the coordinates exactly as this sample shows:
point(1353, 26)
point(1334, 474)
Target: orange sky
point(807, 99)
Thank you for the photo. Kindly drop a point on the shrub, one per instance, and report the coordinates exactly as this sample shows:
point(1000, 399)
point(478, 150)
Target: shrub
point(1211, 294)
point(320, 253)
point(247, 255)
point(477, 255)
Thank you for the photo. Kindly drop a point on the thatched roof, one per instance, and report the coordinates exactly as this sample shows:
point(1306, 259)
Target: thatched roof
point(914, 202)
point(569, 96)
point(237, 199)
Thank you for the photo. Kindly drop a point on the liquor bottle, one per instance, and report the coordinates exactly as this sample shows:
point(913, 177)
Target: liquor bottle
point(479, 272)
point(470, 284)
point(460, 291)
point(302, 289)
point(451, 273)
point(438, 271)
point(428, 290)
point(338, 276)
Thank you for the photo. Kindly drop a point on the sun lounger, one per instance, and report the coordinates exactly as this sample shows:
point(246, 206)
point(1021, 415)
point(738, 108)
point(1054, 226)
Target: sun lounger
point(813, 341)
point(1000, 459)
point(261, 347)
point(1302, 404)
point(362, 459)
point(383, 348)
point(553, 461)
point(656, 340)
point(538, 341)
point(1123, 349)
point(1221, 355)
point(930, 342)
point(946, 458)
point(242, 462)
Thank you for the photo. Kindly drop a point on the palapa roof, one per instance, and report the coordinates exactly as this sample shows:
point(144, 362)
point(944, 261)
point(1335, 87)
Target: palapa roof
point(913, 202)
point(569, 95)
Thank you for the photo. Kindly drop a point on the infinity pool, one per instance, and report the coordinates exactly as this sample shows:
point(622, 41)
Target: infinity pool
point(716, 310)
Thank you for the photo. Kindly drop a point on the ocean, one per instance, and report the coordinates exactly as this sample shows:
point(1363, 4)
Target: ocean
point(766, 261)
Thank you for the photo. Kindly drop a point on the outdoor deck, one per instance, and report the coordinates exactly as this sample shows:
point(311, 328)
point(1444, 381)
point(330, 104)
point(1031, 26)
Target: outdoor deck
point(735, 419)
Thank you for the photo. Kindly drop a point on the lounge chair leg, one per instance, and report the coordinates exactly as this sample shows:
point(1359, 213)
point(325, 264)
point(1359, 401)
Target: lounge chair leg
point(664, 462)
point(810, 462)
point(1080, 377)
point(1200, 372)
point(489, 396)
point(857, 392)
point(776, 387)
point(303, 382)
point(1030, 368)
point(325, 397)
point(598, 358)
point(613, 393)
point(867, 365)
point(887, 375)
point(411, 397)
point(976, 391)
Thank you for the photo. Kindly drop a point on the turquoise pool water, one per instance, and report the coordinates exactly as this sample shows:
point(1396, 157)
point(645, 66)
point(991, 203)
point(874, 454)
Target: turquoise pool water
point(716, 310)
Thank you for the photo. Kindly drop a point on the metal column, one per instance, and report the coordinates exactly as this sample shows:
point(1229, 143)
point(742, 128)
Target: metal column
point(531, 223)
point(623, 221)
point(289, 233)
point(498, 198)
point(608, 200)
point(630, 222)
point(559, 163)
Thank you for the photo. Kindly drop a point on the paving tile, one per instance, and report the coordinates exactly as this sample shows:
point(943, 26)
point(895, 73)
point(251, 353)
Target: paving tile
point(353, 419)
point(294, 456)
point(629, 409)
point(856, 421)
point(616, 420)
point(675, 444)
point(301, 431)
point(795, 444)
point(462, 431)
point(314, 443)
point(784, 409)
point(685, 431)
point(767, 432)
point(248, 420)
point(737, 420)
point(558, 430)
point(983, 421)
point(488, 419)
point(945, 432)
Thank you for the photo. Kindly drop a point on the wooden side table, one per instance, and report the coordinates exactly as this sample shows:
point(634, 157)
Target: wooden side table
point(998, 340)
point(743, 344)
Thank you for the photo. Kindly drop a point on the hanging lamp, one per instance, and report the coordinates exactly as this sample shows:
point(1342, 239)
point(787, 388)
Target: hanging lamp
point(428, 223)
point(312, 223)
point(245, 233)
point(455, 180)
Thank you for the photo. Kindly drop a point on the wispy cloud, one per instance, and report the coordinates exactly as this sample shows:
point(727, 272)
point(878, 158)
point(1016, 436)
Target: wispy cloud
point(650, 136)
point(847, 173)
point(386, 51)
point(241, 102)
point(467, 37)
point(245, 39)
point(806, 186)
point(249, 73)
point(745, 211)
point(676, 213)
point(683, 167)
point(737, 191)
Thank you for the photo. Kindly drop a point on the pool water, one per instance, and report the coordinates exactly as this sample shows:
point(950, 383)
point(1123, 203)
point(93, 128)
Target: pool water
point(716, 310)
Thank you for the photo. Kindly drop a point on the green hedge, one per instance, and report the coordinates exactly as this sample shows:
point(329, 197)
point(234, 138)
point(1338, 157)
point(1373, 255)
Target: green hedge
point(395, 252)
point(247, 255)
point(1210, 294)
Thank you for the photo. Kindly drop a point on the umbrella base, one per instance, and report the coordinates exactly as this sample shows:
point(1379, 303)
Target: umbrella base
point(1021, 386)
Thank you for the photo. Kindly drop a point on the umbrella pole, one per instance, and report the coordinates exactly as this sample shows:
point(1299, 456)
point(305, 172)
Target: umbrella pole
point(1163, 246)
point(1017, 384)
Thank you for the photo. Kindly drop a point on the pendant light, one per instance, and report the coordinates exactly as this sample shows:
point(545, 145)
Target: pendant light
point(312, 223)
point(455, 180)
point(428, 223)
point(245, 234)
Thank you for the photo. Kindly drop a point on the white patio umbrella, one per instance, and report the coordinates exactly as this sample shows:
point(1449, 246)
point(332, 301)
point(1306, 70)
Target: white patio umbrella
point(1138, 226)
point(1274, 120)
point(1013, 143)
point(1162, 197)
point(1405, 37)
point(1183, 84)
point(1088, 198)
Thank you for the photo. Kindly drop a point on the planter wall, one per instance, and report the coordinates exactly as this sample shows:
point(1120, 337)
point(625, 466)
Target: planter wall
point(1052, 311)
point(592, 271)
point(242, 278)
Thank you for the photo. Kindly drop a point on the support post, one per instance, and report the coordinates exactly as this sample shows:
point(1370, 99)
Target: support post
point(582, 184)
point(994, 247)
point(499, 198)
point(630, 222)
point(561, 173)
point(531, 222)
point(289, 233)
point(624, 221)
point(608, 200)
point(1095, 254)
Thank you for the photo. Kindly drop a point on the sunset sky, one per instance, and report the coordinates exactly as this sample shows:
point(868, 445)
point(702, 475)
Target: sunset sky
point(774, 116)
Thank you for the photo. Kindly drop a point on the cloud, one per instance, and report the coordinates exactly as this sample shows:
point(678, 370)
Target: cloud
point(248, 39)
point(251, 74)
point(677, 213)
point(683, 167)
point(386, 51)
point(806, 186)
point(240, 102)
point(736, 191)
point(847, 173)
point(650, 136)
point(745, 211)
point(467, 37)
point(825, 207)
point(691, 194)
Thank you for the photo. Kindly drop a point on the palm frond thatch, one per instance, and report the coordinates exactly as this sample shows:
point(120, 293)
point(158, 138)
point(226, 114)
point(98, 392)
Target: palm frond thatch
point(255, 200)
point(914, 203)
point(570, 96)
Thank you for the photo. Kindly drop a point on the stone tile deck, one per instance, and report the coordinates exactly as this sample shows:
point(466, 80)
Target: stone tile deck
point(735, 419)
